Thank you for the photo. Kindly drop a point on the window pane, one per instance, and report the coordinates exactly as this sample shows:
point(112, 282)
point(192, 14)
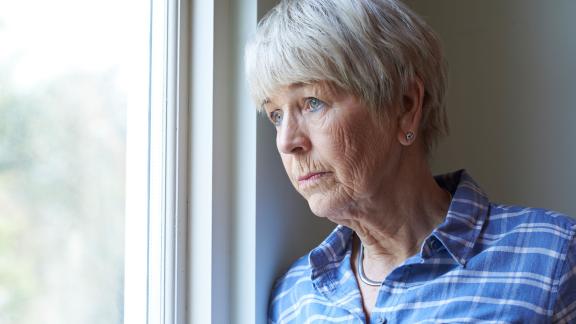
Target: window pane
point(68, 70)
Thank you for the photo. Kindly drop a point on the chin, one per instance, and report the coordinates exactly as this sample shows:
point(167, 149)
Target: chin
point(325, 206)
point(318, 204)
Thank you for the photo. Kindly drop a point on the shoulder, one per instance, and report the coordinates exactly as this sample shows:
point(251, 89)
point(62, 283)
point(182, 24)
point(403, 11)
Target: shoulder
point(290, 288)
point(565, 303)
point(300, 293)
point(512, 217)
point(508, 218)
point(540, 237)
point(297, 273)
point(530, 250)
point(532, 239)
point(529, 223)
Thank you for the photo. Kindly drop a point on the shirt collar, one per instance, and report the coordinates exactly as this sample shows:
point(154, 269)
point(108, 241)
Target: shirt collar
point(464, 220)
point(327, 257)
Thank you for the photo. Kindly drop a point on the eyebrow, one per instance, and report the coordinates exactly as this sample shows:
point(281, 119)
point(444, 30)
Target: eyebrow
point(264, 102)
point(317, 88)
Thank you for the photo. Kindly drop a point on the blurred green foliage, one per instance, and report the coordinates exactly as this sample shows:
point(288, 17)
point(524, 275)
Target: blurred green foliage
point(62, 170)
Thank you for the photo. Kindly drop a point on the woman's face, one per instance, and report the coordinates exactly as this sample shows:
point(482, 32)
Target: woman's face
point(334, 151)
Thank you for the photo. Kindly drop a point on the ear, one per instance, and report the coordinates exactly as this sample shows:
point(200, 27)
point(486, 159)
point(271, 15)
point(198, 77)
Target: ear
point(410, 113)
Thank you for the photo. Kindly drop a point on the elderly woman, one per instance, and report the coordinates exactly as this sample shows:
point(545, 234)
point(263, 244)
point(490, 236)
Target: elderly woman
point(356, 91)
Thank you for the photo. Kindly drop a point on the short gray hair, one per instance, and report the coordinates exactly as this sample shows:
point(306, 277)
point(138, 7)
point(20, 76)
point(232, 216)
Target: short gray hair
point(374, 49)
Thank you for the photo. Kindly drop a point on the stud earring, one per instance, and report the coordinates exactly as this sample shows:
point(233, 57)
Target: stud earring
point(409, 136)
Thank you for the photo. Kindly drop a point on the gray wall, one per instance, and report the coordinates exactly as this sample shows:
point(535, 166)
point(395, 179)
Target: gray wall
point(511, 96)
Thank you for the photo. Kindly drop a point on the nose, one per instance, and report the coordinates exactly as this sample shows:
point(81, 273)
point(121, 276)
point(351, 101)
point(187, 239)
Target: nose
point(292, 137)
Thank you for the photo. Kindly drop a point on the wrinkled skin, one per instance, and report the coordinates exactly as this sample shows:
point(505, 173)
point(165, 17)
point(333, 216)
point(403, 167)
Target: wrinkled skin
point(359, 153)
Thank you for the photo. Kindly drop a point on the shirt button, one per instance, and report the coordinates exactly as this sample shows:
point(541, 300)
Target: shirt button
point(381, 320)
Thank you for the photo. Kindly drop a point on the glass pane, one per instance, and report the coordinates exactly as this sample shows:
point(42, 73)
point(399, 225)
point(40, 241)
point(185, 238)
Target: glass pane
point(68, 70)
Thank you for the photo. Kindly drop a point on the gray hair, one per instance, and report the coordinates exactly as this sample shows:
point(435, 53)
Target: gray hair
point(374, 49)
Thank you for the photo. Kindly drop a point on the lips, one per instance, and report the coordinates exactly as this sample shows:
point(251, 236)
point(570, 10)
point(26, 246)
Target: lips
point(311, 175)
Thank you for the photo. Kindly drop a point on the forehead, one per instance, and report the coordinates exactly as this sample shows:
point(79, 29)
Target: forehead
point(296, 91)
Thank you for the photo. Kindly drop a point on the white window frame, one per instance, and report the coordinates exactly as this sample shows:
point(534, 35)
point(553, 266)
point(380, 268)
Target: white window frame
point(223, 168)
point(156, 232)
point(191, 260)
point(202, 263)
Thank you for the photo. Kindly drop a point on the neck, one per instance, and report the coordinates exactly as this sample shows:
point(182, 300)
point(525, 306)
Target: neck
point(392, 225)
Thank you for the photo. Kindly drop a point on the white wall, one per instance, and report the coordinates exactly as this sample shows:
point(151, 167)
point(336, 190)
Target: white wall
point(511, 99)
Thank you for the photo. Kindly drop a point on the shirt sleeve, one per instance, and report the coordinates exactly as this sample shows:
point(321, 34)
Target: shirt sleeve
point(565, 308)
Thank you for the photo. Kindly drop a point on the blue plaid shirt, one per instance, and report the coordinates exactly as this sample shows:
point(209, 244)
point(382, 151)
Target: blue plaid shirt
point(487, 263)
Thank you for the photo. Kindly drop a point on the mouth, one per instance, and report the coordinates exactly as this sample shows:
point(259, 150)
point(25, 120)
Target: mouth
point(311, 177)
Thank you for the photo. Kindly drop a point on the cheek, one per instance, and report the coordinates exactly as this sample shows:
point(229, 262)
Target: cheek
point(286, 162)
point(286, 158)
point(349, 153)
point(349, 148)
point(360, 152)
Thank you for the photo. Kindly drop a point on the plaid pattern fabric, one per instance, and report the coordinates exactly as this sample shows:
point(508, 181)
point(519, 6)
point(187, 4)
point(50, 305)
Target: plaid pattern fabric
point(487, 263)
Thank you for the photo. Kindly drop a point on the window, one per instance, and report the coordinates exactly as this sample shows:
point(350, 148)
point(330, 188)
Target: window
point(128, 164)
point(73, 76)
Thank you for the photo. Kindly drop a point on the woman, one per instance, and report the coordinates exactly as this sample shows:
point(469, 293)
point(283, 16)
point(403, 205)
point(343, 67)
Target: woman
point(355, 90)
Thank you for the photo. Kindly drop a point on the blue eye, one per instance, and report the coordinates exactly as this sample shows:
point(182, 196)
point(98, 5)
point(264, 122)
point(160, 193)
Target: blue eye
point(276, 117)
point(314, 104)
